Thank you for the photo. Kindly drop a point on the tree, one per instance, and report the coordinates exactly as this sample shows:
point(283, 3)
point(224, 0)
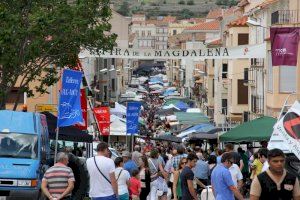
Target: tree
point(181, 2)
point(190, 2)
point(35, 34)
point(186, 14)
point(124, 9)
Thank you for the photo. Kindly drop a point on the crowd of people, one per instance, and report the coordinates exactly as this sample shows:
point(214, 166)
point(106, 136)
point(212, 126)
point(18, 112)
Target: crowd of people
point(179, 174)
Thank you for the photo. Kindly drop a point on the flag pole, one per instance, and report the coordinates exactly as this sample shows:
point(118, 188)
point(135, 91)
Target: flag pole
point(56, 144)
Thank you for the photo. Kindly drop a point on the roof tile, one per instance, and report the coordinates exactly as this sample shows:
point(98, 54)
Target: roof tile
point(213, 25)
point(239, 22)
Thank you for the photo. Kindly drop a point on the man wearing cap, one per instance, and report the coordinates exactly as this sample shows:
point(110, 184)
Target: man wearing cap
point(129, 164)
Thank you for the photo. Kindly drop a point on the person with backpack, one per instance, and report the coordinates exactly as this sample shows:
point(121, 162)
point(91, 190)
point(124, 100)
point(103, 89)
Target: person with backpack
point(122, 177)
point(103, 183)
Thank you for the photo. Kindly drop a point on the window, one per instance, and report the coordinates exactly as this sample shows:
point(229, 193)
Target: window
point(224, 106)
point(13, 94)
point(242, 92)
point(224, 70)
point(149, 33)
point(287, 79)
point(113, 84)
point(174, 32)
point(243, 38)
point(113, 61)
point(270, 73)
point(105, 63)
point(143, 33)
point(137, 33)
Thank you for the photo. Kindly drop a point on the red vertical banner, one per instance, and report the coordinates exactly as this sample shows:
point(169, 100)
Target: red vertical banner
point(103, 117)
point(84, 125)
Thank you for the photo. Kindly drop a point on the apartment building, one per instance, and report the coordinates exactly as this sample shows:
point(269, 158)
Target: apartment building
point(270, 85)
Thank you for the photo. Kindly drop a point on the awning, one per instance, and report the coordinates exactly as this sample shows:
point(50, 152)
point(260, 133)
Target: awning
point(256, 130)
point(166, 112)
point(68, 133)
point(181, 105)
point(203, 136)
point(170, 138)
point(191, 118)
point(203, 128)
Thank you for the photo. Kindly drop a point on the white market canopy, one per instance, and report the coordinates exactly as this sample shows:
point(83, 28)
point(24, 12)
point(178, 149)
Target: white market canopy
point(119, 110)
point(117, 126)
point(243, 51)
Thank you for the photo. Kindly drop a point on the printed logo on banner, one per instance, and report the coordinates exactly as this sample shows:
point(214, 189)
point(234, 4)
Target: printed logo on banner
point(284, 42)
point(69, 109)
point(103, 118)
point(289, 126)
point(132, 117)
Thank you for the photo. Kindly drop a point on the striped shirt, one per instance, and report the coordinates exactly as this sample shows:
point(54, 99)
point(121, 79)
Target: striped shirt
point(57, 178)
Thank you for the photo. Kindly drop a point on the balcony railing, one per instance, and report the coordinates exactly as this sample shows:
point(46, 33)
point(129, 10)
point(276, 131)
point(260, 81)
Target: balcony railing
point(257, 62)
point(285, 17)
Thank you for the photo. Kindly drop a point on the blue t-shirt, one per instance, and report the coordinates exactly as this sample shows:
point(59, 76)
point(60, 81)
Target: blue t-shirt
point(129, 166)
point(221, 180)
point(201, 170)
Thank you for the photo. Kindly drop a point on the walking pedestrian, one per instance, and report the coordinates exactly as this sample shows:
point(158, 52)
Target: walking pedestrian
point(129, 164)
point(275, 183)
point(145, 177)
point(177, 180)
point(122, 177)
point(103, 183)
point(237, 176)
point(176, 159)
point(136, 154)
point(135, 185)
point(221, 180)
point(245, 158)
point(158, 187)
point(201, 171)
point(187, 177)
point(263, 157)
point(212, 162)
point(58, 181)
point(236, 157)
point(256, 166)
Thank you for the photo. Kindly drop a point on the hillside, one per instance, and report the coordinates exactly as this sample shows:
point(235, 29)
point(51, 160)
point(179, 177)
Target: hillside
point(153, 8)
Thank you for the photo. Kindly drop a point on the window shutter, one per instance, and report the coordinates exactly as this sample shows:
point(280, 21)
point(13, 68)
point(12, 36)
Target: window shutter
point(287, 76)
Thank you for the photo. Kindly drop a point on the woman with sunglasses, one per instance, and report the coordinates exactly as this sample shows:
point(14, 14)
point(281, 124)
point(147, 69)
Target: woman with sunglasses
point(177, 181)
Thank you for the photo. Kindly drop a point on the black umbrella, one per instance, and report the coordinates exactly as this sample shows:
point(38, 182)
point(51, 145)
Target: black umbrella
point(67, 133)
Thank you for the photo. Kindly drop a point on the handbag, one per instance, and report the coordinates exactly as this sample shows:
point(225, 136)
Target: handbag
point(100, 171)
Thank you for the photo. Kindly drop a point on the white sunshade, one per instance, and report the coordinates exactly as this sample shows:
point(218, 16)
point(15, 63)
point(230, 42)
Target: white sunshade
point(193, 110)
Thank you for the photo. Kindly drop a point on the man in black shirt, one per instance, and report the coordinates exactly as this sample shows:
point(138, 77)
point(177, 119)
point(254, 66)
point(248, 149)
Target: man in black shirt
point(187, 177)
point(275, 183)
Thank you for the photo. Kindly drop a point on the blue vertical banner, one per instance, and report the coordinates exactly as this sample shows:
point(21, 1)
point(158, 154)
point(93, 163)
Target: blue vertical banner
point(132, 117)
point(69, 109)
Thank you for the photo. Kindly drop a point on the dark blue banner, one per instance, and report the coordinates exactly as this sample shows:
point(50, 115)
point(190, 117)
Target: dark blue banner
point(132, 117)
point(69, 109)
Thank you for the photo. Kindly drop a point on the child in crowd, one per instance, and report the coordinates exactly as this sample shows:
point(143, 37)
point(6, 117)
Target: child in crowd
point(135, 185)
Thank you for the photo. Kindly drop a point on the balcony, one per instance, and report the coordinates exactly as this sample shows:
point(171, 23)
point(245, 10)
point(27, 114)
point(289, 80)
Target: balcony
point(257, 62)
point(285, 17)
point(248, 77)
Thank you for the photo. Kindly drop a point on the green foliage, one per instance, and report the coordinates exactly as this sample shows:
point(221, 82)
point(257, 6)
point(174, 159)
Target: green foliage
point(186, 14)
point(181, 2)
point(190, 2)
point(164, 2)
point(124, 9)
point(37, 36)
point(226, 2)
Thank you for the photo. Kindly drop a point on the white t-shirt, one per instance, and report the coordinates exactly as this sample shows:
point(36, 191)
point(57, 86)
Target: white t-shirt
point(265, 166)
point(124, 176)
point(236, 173)
point(99, 186)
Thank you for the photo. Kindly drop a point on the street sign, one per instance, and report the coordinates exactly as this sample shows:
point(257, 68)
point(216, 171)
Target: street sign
point(46, 108)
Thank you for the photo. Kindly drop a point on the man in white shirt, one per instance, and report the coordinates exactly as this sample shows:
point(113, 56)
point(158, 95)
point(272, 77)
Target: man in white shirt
point(236, 175)
point(103, 184)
